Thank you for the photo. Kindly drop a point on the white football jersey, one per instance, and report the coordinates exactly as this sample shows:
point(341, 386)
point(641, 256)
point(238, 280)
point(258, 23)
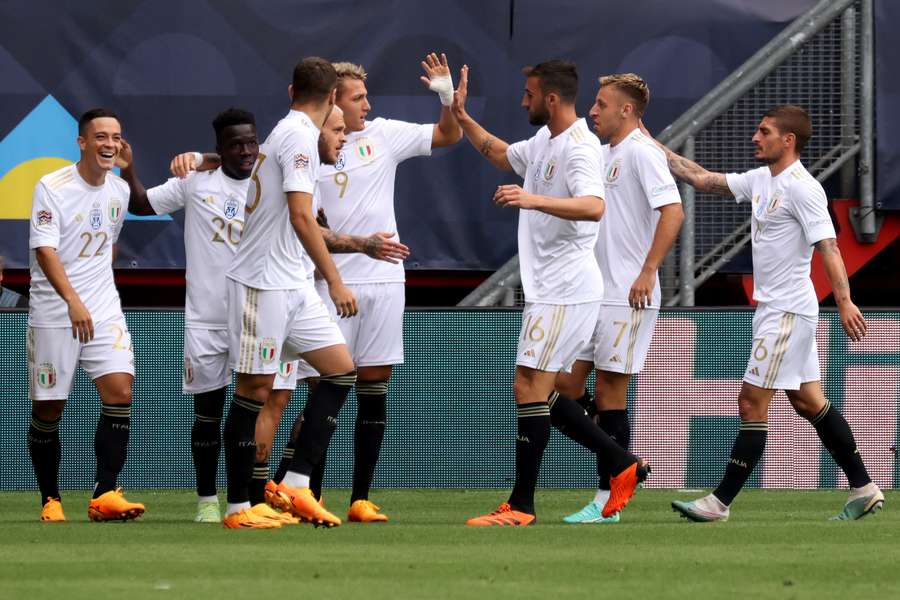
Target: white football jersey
point(789, 214)
point(556, 256)
point(357, 192)
point(637, 182)
point(270, 256)
point(213, 206)
point(81, 222)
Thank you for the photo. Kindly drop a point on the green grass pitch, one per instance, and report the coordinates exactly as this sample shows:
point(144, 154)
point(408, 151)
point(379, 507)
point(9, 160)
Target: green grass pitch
point(777, 545)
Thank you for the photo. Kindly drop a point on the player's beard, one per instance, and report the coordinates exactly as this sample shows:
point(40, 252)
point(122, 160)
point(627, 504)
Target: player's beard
point(539, 117)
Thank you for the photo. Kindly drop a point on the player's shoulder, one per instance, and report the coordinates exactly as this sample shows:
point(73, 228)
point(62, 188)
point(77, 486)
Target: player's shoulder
point(641, 146)
point(801, 182)
point(56, 180)
point(116, 182)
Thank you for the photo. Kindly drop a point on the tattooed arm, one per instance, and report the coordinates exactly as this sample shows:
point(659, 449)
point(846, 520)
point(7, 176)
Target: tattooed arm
point(693, 174)
point(851, 318)
point(491, 147)
point(378, 245)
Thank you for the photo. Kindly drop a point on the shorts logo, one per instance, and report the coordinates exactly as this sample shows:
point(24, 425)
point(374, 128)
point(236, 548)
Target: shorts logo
point(188, 371)
point(96, 218)
point(549, 170)
point(285, 369)
point(529, 353)
point(45, 217)
point(615, 358)
point(231, 207)
point(614, 170)
point(46, 375)
point(365, 148)
point(341, 161)
point(754, 371)
point(115, 210)
point(301, 161)
point(267, 350)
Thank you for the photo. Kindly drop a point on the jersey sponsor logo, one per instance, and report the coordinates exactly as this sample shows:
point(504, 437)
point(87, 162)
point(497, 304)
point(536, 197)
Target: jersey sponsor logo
point(188, 370)
point(46, 375)
point(614, 171)
point(301, 161)
point(115, 209)
point(285, 369)
point(662, 189)
point(96, 218)
point(365, 148)
point(267, 350)
point(45, 217)
point(231, 207)
point(549, 170)
point(341, 161)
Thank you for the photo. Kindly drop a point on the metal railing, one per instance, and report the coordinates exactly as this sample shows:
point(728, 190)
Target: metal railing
point(822, 61)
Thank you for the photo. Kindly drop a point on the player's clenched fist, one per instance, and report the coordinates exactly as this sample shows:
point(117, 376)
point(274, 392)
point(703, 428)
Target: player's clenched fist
point(344, 300)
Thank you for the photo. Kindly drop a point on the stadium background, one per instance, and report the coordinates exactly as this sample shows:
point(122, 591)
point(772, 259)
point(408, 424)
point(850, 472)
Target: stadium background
point(168, 67)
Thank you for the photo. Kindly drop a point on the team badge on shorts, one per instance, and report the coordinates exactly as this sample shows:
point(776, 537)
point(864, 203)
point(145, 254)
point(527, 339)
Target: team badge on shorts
point(46, 375)
point(285, 369)
point(115, 209)
point(549, 170)
point(188, 371)
point(365, 148)
point(96, 218)
point(267, 350)
point(231, 207)
point(614, 170)
point(341, 161)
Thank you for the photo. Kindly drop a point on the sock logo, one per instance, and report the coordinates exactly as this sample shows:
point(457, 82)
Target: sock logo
point(331, 421)
point(523, 438)
point(739, 463)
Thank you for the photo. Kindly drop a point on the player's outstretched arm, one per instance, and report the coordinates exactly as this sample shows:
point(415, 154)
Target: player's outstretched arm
point(82, 324)
point(437, 78)
point(693, 174)
point(851, 317)
point(138, 203)
point(579, 208)
point(378, 245)
point(671, 216)
point(310, 235)
point(491, 147)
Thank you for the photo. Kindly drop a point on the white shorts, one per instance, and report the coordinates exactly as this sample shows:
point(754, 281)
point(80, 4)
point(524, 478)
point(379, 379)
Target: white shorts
point(286, 376)
point(54, 355)
point(553, 335)
point(375, 335)
point(268, 326)
point(621, 339)
point(784, 352)
point(205, 360)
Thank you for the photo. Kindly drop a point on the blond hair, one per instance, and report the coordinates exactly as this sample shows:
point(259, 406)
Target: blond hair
point(633, 86)
point(348, 70)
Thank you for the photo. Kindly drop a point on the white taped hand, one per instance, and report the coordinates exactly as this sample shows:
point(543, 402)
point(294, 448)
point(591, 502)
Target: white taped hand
point(442, 85)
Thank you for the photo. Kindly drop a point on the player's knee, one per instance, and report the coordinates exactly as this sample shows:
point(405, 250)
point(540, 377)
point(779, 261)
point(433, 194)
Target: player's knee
point(805, 407)
point(750, 407)
point(570, 387)
point(48, 410)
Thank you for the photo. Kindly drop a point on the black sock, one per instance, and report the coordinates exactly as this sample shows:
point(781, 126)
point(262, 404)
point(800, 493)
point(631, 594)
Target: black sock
point(240, 447)
point(45, 450)
point(318, 476)
point(747, 450)
point(287, 456)
point(111, 445)
point(371, 420)
point(531, 440)
point(615, 424)
point(205, 439)
point(257, 488)
point(320, 421)
point(573, 422)
point(587, 403)
point(838, 439)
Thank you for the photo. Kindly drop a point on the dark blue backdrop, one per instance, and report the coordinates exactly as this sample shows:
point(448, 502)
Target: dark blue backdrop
point(169, 67)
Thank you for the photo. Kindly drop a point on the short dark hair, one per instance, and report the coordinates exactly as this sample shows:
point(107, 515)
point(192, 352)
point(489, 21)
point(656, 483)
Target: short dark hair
point(95, 113)
point(556, 76)
point(792, 119)
point(314, 79)
point(229, 117)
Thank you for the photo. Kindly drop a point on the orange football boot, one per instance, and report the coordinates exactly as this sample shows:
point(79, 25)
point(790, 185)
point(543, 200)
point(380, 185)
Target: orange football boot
point(305, 507)
point(503, 516)
point(52, 511)
point(247, 519)
point(364, 511)
point(112, 506)
point(623, 486)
